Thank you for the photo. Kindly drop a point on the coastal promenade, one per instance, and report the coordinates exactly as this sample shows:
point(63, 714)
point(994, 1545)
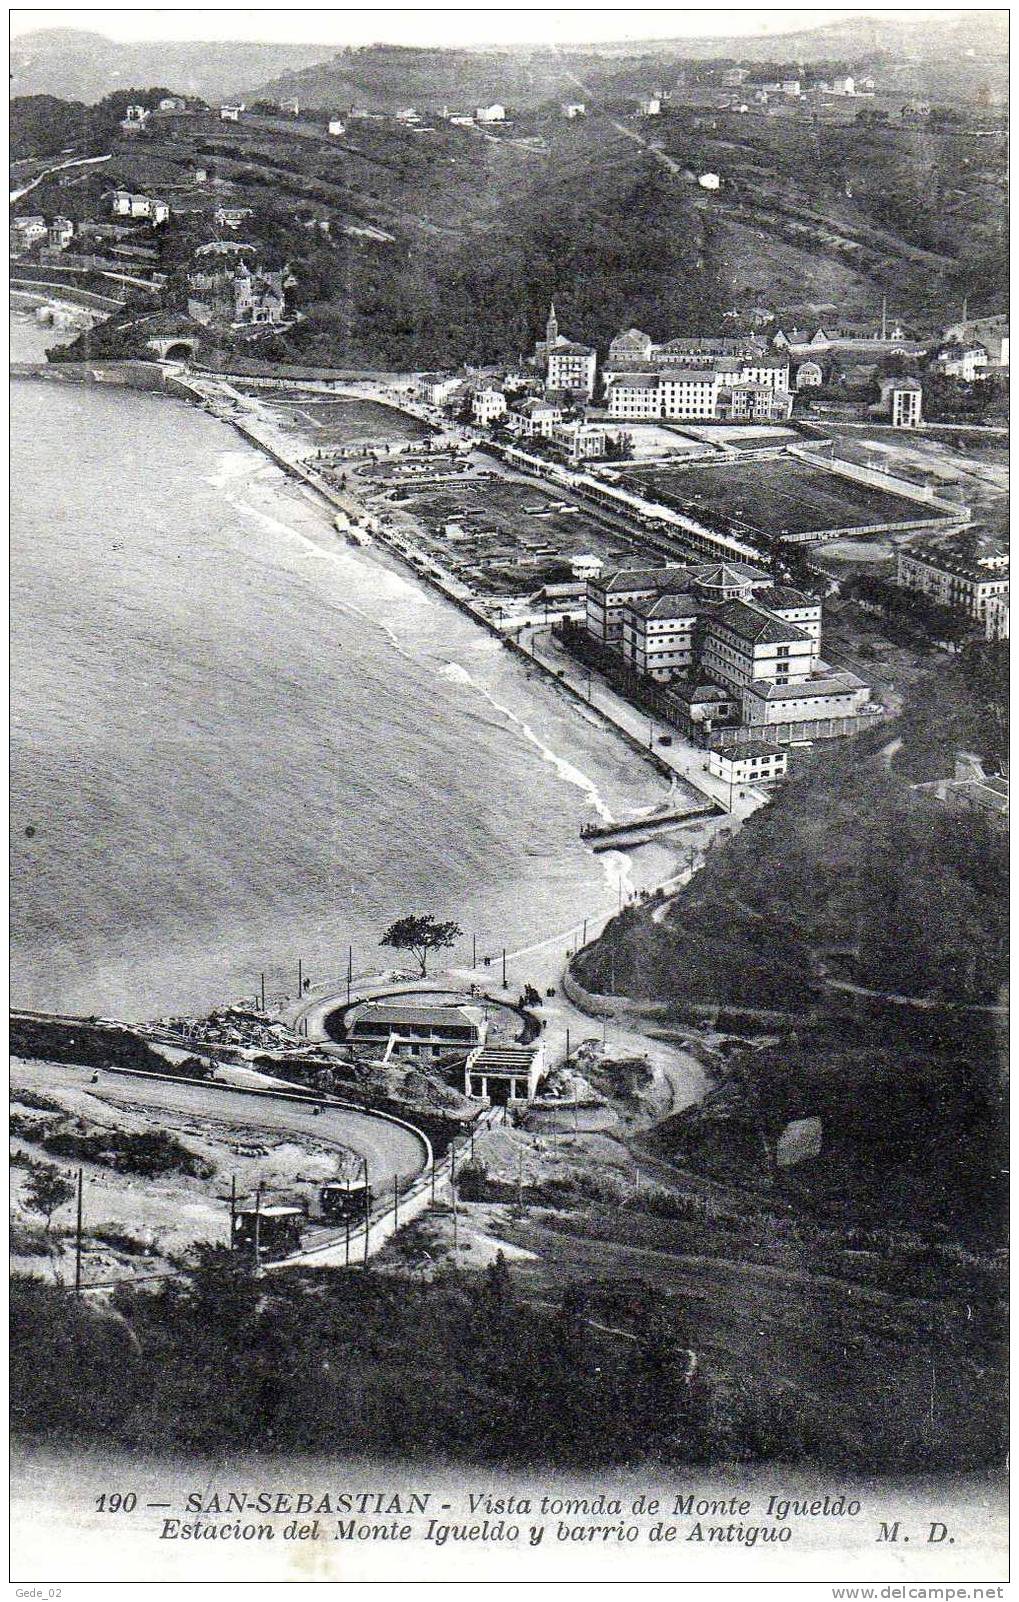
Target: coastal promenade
point(682, 761)
point(218, 395)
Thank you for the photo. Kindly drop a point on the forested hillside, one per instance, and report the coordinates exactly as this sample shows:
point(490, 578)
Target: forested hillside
point(848, 872)
point(851, 886)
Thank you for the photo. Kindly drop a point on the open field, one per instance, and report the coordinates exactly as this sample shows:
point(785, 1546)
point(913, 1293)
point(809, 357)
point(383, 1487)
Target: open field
point(654, 440)
point(331, 422)
point(745, 436)
point(766, 500)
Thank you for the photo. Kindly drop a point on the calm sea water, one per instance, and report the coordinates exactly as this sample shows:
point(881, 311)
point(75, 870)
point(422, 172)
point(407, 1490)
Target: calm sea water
point(237, 740)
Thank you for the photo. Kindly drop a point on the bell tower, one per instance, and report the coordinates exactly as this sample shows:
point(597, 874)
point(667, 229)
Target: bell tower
point(551, 327)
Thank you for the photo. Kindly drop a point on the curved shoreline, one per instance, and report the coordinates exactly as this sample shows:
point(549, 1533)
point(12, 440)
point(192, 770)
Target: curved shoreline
point(589, 901)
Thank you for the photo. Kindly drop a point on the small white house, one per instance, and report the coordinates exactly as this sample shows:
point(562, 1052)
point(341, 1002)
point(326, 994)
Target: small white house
point(230, 113)
point(709, 180)
point(494, 113)
point(844, 86)
point(586, 565)
point(488, 404)
point(61, 233)
point(753, 763)
point(573, 109)
point(809, 375)
point(650, 106)
point(337, 128)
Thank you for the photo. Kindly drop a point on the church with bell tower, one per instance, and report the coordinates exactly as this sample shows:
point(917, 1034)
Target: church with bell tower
point(544, 347)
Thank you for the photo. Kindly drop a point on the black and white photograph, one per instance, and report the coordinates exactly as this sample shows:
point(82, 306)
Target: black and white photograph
point(509, 785)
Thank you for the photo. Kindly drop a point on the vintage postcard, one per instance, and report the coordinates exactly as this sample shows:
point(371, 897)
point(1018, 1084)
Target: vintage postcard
point(509, 798)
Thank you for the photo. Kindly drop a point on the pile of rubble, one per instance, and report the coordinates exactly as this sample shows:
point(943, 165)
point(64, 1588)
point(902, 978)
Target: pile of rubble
point(233, 1026)
point(566, 1084)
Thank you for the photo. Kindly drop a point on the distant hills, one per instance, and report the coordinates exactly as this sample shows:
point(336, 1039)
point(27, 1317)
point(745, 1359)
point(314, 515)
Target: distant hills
point(77, 65)
point(960, 54)
point(81, 65)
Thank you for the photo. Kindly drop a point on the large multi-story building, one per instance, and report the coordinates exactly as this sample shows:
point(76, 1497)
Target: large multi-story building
point(536, 418)
point(688, 392)
point(726, 637)
point(566, 364)
point(633, 350)
point(610, 595)
point(705, 393)
point(989, 332)
point(635, 396)
point(488, 405)
point(828, 695)
point(907, 402)
point(996, 617)
point(743, 642)
point(571, 367)
point(965, 583)
point(658, 635)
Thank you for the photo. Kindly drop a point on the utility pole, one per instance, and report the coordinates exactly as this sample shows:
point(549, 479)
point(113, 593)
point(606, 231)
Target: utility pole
point(258, 1226)
point(474, 951)
point(433, 1178)
point(884, 316)
point(367, 1211)
point(350, 970)
point(585, 932)
point(300, 979)
point(263, 992)
point(504, 984)
point(567, 1045)
point(77, 1235)
point(233, 1208)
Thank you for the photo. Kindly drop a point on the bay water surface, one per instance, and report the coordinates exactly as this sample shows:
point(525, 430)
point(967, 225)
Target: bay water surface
point(237, 740)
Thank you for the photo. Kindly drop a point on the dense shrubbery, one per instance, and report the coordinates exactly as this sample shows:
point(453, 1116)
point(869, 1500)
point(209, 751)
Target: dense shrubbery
point(364, 1363)
point(148, 1153)
point(350, 1363)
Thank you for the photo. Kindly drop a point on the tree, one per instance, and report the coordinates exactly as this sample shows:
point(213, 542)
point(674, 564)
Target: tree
point(421, 933)
point(47, 1189)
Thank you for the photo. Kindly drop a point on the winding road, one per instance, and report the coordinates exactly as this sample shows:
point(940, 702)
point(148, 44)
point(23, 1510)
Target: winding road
point(391, 1148)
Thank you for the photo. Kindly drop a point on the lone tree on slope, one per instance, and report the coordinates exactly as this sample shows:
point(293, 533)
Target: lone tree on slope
point(421, 934)
point(47, 1189)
